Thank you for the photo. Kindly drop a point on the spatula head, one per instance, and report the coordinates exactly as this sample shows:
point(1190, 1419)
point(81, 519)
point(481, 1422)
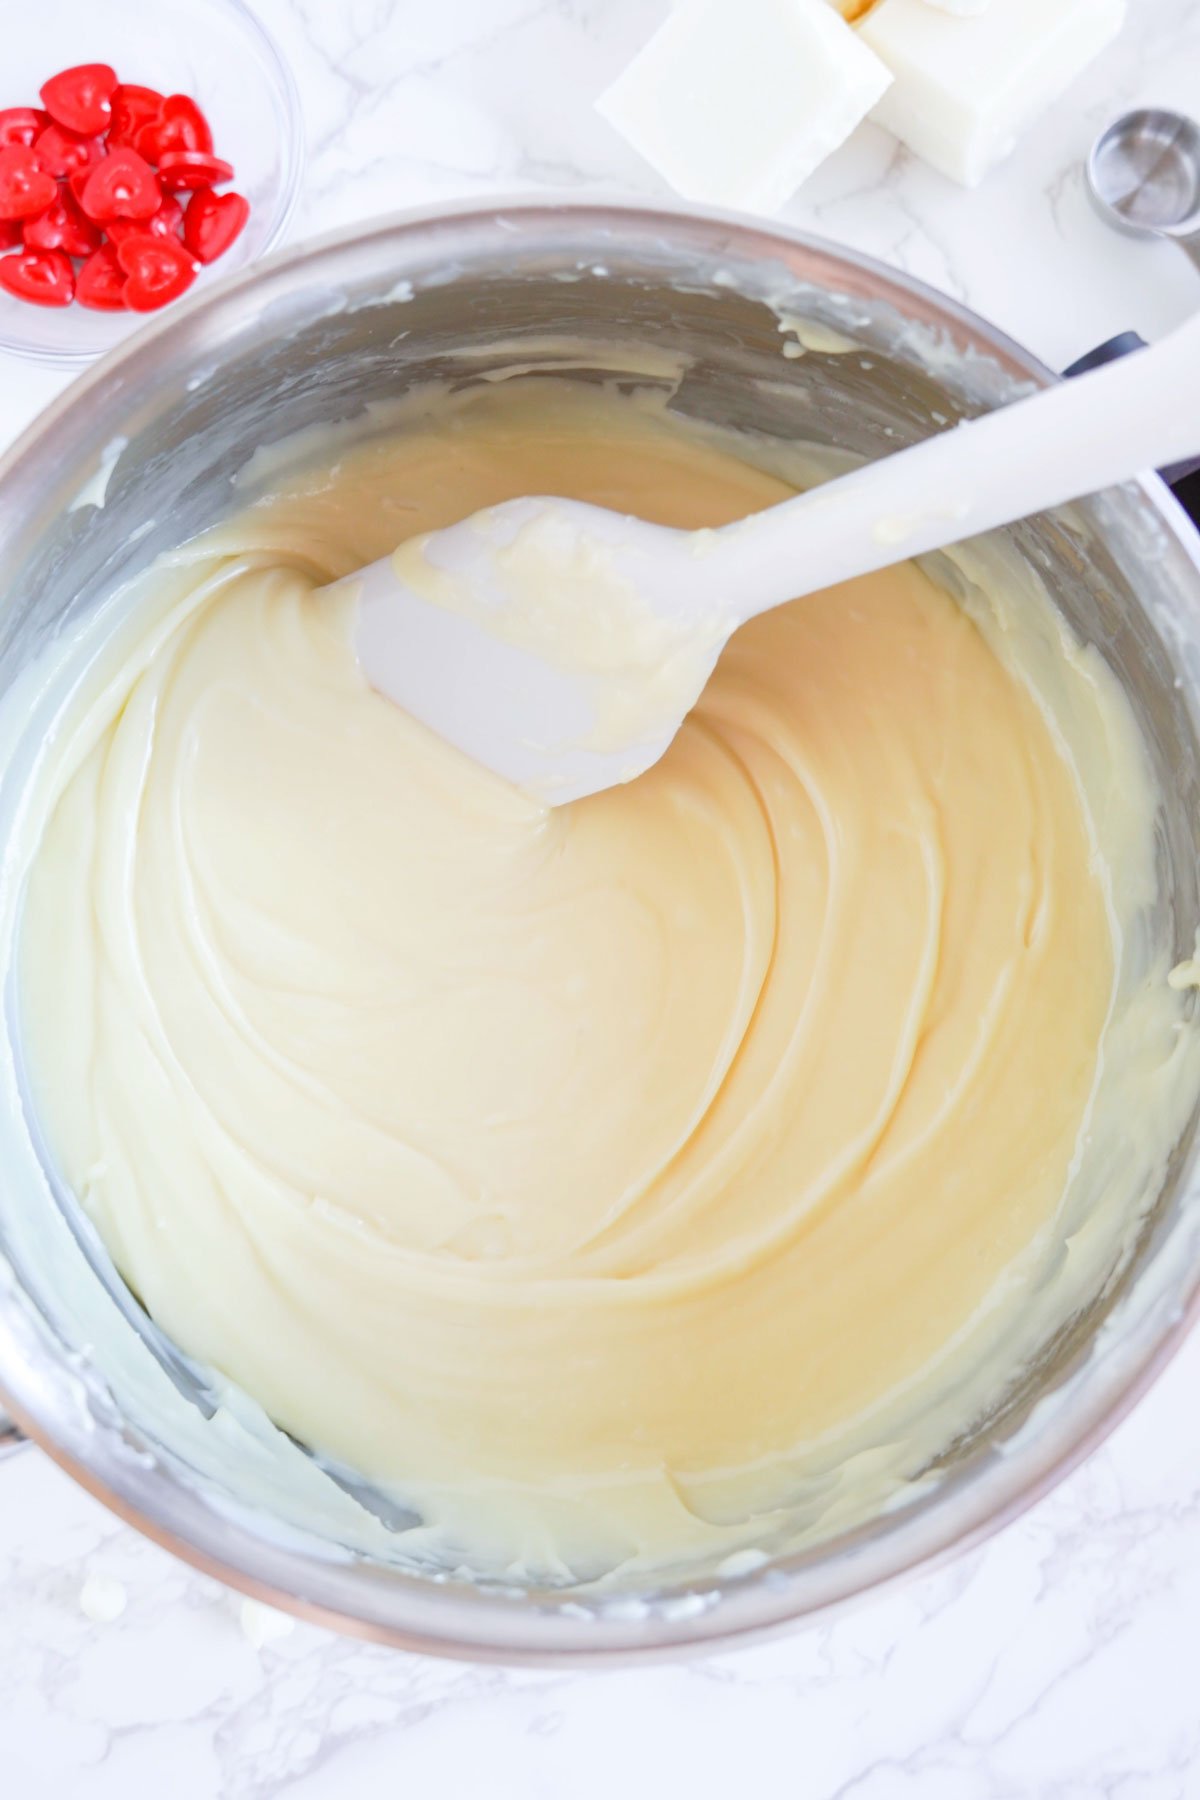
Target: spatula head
point(546, 638)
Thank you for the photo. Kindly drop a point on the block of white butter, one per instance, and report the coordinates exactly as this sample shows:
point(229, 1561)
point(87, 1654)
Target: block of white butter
point(965, 88)
point(734, 102)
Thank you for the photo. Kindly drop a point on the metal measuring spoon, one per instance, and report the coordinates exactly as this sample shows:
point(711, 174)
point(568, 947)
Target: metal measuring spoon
point(1144, 176)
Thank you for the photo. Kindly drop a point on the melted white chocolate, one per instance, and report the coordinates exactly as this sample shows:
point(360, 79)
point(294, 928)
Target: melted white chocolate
point(632, 1181)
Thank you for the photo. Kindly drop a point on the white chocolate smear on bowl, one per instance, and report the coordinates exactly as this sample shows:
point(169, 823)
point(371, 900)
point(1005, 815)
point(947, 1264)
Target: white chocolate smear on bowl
point(648, 1180)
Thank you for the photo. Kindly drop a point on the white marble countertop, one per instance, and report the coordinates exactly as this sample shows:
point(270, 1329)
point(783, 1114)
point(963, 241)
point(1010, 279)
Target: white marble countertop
point(1059, 1660)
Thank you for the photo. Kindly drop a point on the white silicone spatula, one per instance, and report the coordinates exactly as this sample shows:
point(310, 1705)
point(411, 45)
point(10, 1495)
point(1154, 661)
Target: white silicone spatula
point(561, 645)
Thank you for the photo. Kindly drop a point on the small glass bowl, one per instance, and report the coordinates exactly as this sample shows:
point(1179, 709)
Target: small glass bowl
point(214, 50)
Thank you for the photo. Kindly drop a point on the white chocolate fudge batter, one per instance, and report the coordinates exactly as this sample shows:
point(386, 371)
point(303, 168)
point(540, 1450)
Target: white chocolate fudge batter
point(679, 1170)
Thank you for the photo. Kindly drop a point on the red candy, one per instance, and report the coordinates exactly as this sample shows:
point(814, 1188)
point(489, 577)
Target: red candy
point(22, 125)
point(87, 194)
point(122, 185)
point(164, 223)
point(81, 98)
point(193, 169)
point(43, 276)
point(25, 187)
point(101, 282)
point(180, 125)
point(212, 222)
point(62, 152)
point(63, 227)
point(132, 108)
point(159, 270)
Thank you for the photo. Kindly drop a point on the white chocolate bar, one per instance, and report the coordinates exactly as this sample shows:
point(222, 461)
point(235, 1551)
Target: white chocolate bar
point(734, 104)
point(965, 88)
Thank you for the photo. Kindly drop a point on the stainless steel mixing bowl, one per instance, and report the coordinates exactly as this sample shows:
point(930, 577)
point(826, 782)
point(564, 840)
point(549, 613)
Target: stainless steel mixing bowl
point(159, 430)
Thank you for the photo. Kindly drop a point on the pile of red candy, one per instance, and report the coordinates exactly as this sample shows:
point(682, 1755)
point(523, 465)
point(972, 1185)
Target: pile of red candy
point(92, 193)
